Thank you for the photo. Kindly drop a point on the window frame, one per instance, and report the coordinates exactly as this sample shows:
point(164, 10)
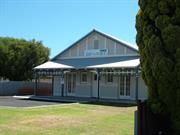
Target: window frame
point(81, 78)
point(109, 78)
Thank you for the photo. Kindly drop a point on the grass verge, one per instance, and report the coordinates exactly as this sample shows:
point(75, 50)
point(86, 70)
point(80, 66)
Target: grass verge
point(75, 119)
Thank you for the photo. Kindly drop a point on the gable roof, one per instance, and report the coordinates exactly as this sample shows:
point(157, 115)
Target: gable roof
point(131, 46)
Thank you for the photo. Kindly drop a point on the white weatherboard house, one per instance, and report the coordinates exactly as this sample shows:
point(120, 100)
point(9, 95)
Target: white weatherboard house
point(96, 66)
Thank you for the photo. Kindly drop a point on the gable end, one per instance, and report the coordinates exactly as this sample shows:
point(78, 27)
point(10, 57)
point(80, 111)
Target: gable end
point(96, 44)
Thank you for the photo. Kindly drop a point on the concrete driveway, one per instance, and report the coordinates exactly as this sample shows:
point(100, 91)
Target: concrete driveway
point(8, 101)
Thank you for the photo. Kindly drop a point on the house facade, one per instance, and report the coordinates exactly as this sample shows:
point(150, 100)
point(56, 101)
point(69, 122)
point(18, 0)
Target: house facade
point(96, 66)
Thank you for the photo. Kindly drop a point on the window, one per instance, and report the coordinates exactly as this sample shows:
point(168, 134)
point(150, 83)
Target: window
point(109, 77)
point(83, 77)
point(96, 44)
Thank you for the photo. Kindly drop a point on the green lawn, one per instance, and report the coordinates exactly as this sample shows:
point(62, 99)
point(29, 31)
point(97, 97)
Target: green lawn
point(74, 119)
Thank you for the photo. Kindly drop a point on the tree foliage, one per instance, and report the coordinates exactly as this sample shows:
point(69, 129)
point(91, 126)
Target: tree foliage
point(158, 38)
point(18, 57)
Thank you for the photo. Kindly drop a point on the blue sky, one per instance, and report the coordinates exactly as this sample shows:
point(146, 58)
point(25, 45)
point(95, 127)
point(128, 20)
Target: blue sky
point(59, 23)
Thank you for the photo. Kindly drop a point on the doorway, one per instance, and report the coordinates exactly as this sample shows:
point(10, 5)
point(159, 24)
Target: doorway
point(124, 87)
point(71, 84)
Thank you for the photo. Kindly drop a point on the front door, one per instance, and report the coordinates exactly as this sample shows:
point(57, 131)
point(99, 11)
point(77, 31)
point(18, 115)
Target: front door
point(71, 84)
point(95, 85)
point(57, 86)
point(124, 87)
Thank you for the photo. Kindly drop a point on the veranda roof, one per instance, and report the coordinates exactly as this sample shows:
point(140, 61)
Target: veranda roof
point(121, 64)
point(52, 65)
point(90, 63)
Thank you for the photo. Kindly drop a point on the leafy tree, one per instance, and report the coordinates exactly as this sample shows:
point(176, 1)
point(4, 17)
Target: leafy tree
point(18, 57)
point(158, 38)
point(3, 59)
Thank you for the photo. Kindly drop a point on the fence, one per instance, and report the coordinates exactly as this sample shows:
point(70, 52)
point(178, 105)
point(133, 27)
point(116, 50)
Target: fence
point(149, 123)
point(10, 88)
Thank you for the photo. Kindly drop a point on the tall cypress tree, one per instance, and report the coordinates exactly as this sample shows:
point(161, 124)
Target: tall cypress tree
point(158, 38)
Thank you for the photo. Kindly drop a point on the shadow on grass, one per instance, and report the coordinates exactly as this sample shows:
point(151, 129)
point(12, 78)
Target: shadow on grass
point(47, 100)
point(110, 104)
point(88, 101)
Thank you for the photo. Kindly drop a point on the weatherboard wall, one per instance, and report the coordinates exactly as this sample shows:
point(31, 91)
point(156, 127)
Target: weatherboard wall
point(113, 48)
point(106, 90)
point(83, 89)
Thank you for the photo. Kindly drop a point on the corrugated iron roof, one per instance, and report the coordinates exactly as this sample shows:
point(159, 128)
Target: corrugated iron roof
point(52, 65)
point(89, 63)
